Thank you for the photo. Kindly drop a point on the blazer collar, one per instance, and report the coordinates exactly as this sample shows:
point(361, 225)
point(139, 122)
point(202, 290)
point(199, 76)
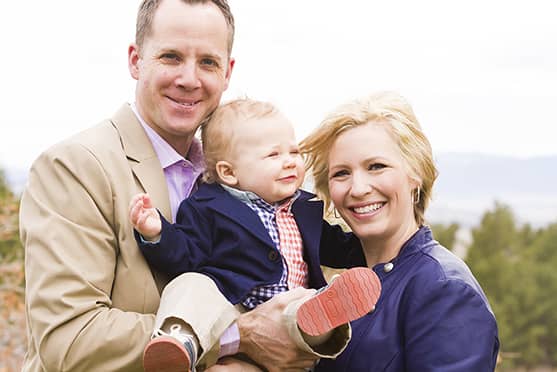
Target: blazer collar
point(143, 160)
point(308, 213)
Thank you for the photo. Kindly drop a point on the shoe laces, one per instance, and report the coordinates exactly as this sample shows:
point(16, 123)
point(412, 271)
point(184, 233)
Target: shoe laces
point(185, 339)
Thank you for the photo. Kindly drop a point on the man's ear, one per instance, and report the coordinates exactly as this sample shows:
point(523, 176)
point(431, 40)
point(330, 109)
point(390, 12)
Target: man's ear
point(225, 171)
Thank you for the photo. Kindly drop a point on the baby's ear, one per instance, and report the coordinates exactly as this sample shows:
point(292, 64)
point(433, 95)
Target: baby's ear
point(225, 171)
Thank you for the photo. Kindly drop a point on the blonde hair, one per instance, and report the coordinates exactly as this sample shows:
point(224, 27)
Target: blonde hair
point(218, 134)
point(396, 115)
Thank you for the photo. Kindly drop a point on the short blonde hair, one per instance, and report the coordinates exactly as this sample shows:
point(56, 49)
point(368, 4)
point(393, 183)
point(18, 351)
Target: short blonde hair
point(396, 115)
point(218, 134)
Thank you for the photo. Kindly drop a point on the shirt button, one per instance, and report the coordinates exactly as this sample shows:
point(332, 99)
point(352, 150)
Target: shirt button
point(272, 256)
point(388, 267)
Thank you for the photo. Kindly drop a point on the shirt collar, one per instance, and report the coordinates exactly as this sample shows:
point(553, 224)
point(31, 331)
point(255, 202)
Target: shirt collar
point(166, 153)
point(251, 197)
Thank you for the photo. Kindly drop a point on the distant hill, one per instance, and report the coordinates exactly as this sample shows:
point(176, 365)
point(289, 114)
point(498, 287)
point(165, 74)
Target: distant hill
point(468, 185)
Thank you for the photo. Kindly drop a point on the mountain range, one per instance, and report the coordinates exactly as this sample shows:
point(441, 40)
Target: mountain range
point(468, 185)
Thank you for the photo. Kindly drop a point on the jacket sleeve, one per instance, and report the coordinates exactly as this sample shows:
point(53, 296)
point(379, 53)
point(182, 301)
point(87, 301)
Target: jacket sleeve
point(448, 328)
point(71, 249)
point(183, 246)
point(339, 249)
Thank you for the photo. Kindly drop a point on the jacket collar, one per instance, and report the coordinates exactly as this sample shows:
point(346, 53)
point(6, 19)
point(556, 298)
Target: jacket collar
point(142, 157)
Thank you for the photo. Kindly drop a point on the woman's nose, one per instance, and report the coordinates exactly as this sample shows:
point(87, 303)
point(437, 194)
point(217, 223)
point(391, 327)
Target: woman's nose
point(361, 185)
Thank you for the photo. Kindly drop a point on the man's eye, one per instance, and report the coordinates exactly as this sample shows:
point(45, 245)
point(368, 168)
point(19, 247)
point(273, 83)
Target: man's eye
point(170, 57)
point(209, 62)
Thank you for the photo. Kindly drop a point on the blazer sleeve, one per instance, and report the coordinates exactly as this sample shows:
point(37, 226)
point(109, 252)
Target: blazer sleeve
point(448, 327)
point(183, 246)
point(71, 249)
point(340, 249)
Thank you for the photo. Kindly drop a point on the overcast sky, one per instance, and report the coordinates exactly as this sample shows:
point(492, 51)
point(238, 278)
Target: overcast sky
point(481, 75)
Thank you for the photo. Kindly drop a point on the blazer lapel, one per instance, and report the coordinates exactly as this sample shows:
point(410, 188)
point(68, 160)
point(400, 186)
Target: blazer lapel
point(308, 213)
point(225, 204)
point(143, 160)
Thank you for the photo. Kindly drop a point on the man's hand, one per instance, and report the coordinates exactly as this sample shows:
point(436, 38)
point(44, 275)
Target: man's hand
point(264, 338)
point(144, 217)
point(231, 364)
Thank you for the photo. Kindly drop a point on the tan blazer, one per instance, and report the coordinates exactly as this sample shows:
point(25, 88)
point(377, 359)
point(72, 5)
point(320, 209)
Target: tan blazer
point(88, 288)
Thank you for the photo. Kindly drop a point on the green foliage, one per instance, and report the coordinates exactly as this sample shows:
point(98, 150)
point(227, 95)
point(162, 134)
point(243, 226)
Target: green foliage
point(4, 188)
point(516, 268)
point(445, 234)
point(10, 246)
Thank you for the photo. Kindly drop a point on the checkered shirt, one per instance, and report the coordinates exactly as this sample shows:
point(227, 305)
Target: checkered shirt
point(291, 246)
point(267, 214)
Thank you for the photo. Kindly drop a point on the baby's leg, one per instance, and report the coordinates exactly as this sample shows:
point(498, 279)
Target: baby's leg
point(192, 316)
point(320, 323)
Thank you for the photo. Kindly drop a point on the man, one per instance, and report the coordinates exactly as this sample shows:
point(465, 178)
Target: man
point(90, 296)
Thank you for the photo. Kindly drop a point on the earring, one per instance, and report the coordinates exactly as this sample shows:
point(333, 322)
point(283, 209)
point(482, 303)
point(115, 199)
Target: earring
point(335, 213)
point(416, 200)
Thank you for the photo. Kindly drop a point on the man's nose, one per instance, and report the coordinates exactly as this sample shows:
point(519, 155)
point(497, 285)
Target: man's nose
point(188, 76)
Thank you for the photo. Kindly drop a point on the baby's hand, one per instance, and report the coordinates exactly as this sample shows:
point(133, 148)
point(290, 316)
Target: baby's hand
point(144, 217)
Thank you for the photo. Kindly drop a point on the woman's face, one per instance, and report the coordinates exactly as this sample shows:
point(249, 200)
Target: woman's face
point(369, 185)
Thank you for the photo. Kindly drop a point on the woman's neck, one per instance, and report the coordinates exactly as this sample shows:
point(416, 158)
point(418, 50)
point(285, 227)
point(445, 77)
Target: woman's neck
point(382, 249)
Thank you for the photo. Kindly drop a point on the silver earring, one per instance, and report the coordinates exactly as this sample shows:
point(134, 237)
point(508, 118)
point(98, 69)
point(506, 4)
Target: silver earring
point(416, 200)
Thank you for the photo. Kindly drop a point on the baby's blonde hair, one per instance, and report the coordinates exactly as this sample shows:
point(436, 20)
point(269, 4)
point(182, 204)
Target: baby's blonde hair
point(218, 133)
point(394, 113)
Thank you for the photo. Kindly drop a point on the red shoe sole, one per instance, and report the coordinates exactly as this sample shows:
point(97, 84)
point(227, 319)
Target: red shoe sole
point(350, 296)
point(165, 354)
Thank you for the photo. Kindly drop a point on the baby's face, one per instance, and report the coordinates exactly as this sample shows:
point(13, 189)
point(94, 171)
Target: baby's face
point(266, 158)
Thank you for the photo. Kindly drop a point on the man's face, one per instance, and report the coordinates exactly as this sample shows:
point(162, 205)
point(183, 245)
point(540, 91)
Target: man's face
point(181, 70)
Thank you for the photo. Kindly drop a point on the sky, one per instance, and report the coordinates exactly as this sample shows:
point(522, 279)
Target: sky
point(480, 75)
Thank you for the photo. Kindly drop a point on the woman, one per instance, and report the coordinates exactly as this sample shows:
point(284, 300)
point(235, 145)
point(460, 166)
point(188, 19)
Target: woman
point(371, 159)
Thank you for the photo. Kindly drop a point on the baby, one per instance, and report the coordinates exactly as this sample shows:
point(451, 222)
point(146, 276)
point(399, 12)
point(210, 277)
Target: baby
point(255, 233)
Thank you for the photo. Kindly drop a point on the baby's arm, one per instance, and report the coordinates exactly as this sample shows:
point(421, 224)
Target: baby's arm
point(145, 218)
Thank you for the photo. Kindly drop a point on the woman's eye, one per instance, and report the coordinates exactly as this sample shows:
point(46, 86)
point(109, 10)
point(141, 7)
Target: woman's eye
point(340, 173)
point(376, 166)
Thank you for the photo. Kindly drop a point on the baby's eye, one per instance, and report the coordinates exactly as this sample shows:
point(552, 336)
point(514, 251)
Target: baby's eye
point(272, 154)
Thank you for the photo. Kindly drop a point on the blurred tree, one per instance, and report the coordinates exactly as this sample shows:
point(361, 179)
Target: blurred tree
point(10, 246)
point(542, 253)
point(445, 234)
point(490, 258)
point(492, 250)
point(515, 267)
point(4, 187)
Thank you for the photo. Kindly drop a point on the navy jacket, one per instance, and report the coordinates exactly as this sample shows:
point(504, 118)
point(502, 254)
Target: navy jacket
point(432, 315)
point(220, 236)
